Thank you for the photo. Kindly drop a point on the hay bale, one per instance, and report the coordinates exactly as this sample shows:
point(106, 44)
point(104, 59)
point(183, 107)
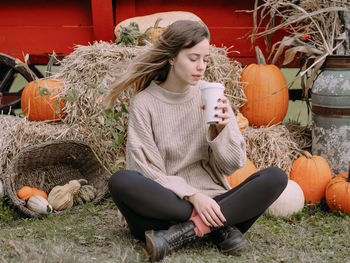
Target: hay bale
point(17, 133)
point(271, 146)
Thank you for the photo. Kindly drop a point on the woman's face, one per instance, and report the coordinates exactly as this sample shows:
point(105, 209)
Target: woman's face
point(190, 64)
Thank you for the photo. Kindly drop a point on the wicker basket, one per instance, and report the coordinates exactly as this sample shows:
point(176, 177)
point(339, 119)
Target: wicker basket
point(46, 165)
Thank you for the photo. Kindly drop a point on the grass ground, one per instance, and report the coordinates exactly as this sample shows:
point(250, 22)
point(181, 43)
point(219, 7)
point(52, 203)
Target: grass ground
point(93, 233)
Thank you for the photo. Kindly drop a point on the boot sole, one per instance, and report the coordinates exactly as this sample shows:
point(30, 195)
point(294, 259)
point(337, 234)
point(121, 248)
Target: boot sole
point(236, 250)
point(150, 246)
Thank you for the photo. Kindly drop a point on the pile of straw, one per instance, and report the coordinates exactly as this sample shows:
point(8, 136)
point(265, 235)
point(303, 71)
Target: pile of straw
point(221, 69)
point(87, 74)
point(17, 133)
point(271, 146)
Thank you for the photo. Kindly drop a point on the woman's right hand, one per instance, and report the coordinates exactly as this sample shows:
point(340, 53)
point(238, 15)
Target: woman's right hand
point(208, 209)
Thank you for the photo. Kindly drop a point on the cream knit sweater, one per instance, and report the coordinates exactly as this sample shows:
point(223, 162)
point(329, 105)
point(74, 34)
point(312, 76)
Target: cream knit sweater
point(169, 142)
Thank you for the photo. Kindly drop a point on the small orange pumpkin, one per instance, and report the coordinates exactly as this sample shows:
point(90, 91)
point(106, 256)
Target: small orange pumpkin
point(241, 174)
point(242, 121)
point(312, 173)
point(27, 192)
point(39, 100)
point(24, 193)
point(267, 96)
point(338, 192)
point(154, 32)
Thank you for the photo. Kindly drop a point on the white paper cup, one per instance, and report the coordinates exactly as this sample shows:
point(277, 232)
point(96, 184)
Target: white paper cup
point(211, 92)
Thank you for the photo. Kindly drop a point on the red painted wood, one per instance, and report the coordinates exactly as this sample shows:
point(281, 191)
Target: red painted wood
point(39, 26)
point(102, 17)
point(124, 9)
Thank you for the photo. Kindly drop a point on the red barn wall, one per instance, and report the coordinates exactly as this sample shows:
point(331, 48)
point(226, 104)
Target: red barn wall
point(39, 27)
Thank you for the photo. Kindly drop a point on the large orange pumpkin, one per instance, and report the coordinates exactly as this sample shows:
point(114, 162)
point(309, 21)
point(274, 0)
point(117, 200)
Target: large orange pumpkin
point(313, 174)
point(39, 100)
point(241, 174)
point(267, 96)
point(338, 192)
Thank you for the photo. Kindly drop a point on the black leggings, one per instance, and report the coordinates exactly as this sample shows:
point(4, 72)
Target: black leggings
point(147, 205)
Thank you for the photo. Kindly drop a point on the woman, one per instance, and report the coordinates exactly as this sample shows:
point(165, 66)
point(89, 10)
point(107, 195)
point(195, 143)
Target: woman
point(174, 189)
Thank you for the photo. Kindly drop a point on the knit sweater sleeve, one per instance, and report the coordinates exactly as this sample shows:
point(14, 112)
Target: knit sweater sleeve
point(228, 149)
point(143, 155)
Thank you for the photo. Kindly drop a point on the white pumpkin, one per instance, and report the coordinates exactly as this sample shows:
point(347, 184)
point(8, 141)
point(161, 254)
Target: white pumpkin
point(2, 190)
point(39, 204)
point(290, 201)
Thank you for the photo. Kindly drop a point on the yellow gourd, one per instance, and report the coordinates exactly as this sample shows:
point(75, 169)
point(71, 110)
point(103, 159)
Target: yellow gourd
point(61, 197)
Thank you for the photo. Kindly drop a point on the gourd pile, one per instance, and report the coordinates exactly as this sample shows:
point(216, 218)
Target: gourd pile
point(61, 197)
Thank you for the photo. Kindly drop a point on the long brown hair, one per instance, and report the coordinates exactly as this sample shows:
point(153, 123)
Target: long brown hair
point(154, 63)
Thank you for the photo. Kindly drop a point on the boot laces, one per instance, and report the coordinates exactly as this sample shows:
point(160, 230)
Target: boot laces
point(180, 236)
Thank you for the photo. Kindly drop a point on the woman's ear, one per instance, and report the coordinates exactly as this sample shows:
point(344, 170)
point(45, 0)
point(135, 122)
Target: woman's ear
point(171, 61)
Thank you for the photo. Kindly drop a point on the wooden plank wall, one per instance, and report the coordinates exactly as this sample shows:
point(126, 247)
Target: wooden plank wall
point(39, 27)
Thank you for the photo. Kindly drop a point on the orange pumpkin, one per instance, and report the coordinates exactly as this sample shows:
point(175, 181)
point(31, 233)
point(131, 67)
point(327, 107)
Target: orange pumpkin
point(39, 100)
point(242, 121)
point(27, 192)
point(155, 31)
point(24, 193)
point(312, 173)
point(267, 96)
point(241, 174)
point(338, 192)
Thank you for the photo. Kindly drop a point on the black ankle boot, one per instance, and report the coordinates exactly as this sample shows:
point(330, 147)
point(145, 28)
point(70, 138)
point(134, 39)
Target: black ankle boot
point(229, 240)
point(160, 243)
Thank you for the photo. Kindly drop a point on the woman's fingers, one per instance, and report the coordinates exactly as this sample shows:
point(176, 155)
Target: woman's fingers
point(220, 215)
point(209, 219)
point(217, 221)
point(204, 219)
point(213, 217)
point(208, 210)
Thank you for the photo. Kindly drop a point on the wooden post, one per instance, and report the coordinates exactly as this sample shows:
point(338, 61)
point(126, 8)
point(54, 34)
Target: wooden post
point(102, 19)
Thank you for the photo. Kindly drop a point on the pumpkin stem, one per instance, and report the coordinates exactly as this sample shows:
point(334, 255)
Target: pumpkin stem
point(259, 56)
point(307, 154)
point(348, 173)
point(157, 22)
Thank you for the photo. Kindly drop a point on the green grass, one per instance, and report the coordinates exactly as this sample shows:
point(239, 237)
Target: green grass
point(93, 233)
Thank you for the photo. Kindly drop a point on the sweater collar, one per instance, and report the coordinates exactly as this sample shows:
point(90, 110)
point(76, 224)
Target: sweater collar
point(172, 97)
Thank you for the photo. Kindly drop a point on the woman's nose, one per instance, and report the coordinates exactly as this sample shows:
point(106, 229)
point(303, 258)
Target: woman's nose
point(201, 65)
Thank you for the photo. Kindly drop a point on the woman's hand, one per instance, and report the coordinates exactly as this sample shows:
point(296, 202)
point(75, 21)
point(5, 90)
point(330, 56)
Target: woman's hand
point(208, 209)
point(226, 115)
